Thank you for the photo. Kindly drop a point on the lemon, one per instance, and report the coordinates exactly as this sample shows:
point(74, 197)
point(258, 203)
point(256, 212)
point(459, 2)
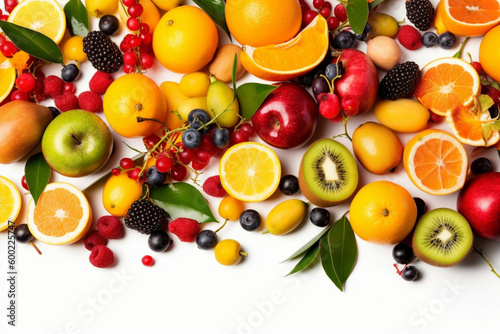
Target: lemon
point(10, 202)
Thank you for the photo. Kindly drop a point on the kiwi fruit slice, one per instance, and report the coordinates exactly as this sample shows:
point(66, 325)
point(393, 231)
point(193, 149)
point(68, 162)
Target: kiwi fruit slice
point(328, 173)
point(443, 237)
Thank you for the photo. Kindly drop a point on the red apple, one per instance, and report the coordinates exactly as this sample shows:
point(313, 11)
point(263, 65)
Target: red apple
point(479, 202)
point(287, 117)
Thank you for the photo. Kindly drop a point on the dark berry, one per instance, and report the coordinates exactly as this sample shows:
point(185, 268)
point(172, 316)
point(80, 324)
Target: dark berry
point(22, 234)
point(319, 217)
point(109, 24)
point(420, 13)
point(145, 217)
point(421, 207)
point(102, 52)
point(198, 115)
point(220, 136)
point(55, 112)
point(430, 39)
point(409, 273)
point(343, 40)
point(493, 110)
point(319, 85)
point(70, 73)
point(154, 177)
point(402, 253)
point(481, 165)
point(159, 241)
point(364, 35)
point(206, 239)
point(191, 138)
point(447, 40)
point(250, 220)
point(289, 185)
point(400, 81)
point(332, 70)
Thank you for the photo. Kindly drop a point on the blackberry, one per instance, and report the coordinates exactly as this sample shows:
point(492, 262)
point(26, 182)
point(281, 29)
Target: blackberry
point(145, 217)
point(420, 13)
point(102, 52)
point(400, 81)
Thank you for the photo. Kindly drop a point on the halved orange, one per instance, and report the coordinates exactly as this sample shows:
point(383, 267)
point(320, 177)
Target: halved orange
point(290, 59)
point(470, 17)
point(447, 83)
point(436, 162)
point(7, 77)
point(10, 202)
point(61, 216)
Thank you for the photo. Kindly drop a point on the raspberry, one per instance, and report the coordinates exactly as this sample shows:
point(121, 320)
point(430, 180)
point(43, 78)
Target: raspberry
point(90, 101)
point(420, 13)
point(110, 227)
point(213, 187)
point(185, 229)
point(100, 82)
point(53, 86)
point(94, 238)
point(66, 101)
point(409, 37)
point(101, 256)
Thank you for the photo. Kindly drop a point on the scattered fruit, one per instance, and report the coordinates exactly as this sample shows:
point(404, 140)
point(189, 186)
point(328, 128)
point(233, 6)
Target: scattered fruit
point(10, 205)
point(382, 25)
point(319, 217)
point(93, 238)
point(409, 37)
point(488, 48)
point(185, 229)
point(221, 101)
point(401, 81)
point(402, 253)
point(119, 192)
point(384, 52)
point(101, 256)
point(409, 273)
point(470, 18)
point(230, 208)
point(110, 227)
point(159, 241)
point(481, 165)
point(145, 217)
point(402, 115)
point(250, 220)
point(206, 239)
point(221, 65)
point(148, 261)
point(420, 13)
point(286, 216)
point(289, 185)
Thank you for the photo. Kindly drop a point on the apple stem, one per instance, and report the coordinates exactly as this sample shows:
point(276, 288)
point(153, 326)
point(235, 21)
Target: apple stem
point(35, 247)
point(478, 251)
point(76, 139)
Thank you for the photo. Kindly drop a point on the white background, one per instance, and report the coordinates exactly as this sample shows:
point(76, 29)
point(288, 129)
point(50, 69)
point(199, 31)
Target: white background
point(187, 291)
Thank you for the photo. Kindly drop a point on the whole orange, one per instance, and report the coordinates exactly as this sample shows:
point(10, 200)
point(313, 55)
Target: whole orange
point(489, 53)
point(185, 39)
point(383, 212)
point(119, 193)
point(263, 22)
point(131, 96)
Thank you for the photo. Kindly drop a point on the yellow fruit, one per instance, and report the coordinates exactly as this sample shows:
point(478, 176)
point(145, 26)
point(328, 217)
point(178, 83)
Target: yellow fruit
point(383, 212)
point(150, 14)
point(470, 17)
point(46, 17)
point(99, 8)
point(489, 51)
point(119, 193)
point(72, 49)
point(263, 22)
point(231, 208)
point(167, 4)
point(7, 77)
point(186, 106)
point(185, 39)
point(131, 96)
point(228, 252)
point(61, 216)
point(174, 96)
point(221, 66)
point(195, 84)
point(438, 18)
point(286, 216)
point(382, 25)
point(10, 202)
point(377, 148)
point(402, 115)
point(220, 101)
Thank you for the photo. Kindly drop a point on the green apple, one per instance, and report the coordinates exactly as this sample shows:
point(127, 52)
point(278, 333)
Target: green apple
point(77, 143)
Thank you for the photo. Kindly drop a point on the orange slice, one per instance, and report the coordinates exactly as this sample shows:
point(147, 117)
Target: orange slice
point(290, 59)
point(470, 17)
point(61, 216)
point(7, 77)
point(436, 162)
point(447, 83)
point(10, 202)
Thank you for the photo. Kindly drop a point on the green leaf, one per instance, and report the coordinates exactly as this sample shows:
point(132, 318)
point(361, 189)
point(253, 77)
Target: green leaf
point(485, 102)
point(338, 252)
point(307, 260)
point(77, 18)
point(37, 173)
point(182, 200)
point(302, 250)
point(215, 9)
point(357, 14)
point(251, 95)
point(32, 42)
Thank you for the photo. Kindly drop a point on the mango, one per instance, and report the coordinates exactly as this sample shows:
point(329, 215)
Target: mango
point(402, 115)
point(22, 125)
point(286, 216)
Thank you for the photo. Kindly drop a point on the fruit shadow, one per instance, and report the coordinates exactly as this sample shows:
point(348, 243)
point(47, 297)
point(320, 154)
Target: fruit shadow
point(488, 249)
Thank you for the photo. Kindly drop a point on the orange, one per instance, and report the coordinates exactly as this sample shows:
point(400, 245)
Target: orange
point(150, 15)
point(72, 49)
point(489, 53)
point(10, 202)
point(185, 39)
point(383, 212)
point(447, 83)
point(61, 216)
point(131, 96)
point(263, 22)
point(119, 193)
point(7, 77)
point(291, 59)
point(436, 162)
point(470, 17)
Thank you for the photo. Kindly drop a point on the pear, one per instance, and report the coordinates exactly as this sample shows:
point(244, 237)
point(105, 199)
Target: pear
point(22, 125)
point(221, 100)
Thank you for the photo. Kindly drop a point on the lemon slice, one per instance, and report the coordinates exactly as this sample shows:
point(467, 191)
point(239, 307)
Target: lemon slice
point(250, 171)
point(7, 77)
point(10, 202)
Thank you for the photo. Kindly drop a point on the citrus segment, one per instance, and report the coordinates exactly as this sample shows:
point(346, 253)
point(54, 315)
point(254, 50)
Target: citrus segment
point(46, 17)
point(447, 83)
point(470, 17)
point(250, 171)
point(10, 202)
point(290, 59)
point(436, 162)
point(7, 77)
point(61, 216)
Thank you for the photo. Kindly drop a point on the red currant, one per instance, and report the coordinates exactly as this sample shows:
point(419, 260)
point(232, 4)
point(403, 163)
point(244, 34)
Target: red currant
point(25, 82)
point(2, 37)
point(199, 165)
point(10, 5)
point(134, 41)
point(147, 61)
point(134, 174)
point(146, 38)
point(129, 3)
point(115, 171)
point(135, 10)
point(340, 12)
point(164, 163)
point(329, 105)
point(202, 156)
point(325, 12)
point(147, 260)
point(206, 142)
point(248, 128)
point(327, 4)
point(214, 151)
point(24, 183)
point(435, 118)
point(333, 23)
point(150, 140)
point(145, 28)
point(130, 58)
point(186, 156)
point(477, 66)
point(304, 7)
point(308, 17)
point(133, 23)
point(124, 47)
point(239, 137)
point(19, 95)
point(178, 172)
point(127, 163)
point(318, 3)
point(4, 17)
point(128, 68)
point(8, 49)
point(69, 87)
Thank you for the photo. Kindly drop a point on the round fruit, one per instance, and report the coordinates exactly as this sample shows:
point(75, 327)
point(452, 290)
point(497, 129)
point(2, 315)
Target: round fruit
point(286, 216)
point(11, 202)
point(150, 14)
point(154, 177)
point(195, 84)
point(8, 77)
point(289, 185)
point(99, 8)
point(402, 253)
point(421, 206)
point(377, 148)
point(206, 239)
point(402, 115)
point(22, 234)
point(109, 24)
point(159, 241)
point(489, 49)
point(481, 165)
point(250, 220)
point(70, 73)
point(230, 208)
point(319, 217)
point(262, 22)
point(470, 17)
point(191, 138)
point(147, 260)
point(429, 39)
point(185, 39)
point(72, 49)
point(343, 40)
point(384, 52)
point(227, 252)
point(220, 136)
point(119, 192)
point(167, 5)
point(383, 212)
point(382, 25)
point(409, 273)
point(447, 40)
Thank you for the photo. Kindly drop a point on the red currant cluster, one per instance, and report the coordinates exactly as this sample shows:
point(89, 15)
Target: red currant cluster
point(9, 6)
point(7, 48)
point(323, 8)
point(136, 47)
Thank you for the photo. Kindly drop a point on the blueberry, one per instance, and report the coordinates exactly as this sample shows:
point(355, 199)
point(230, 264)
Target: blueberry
point(306, 79)
point(197, 125)
point(332, 71)
point(250, 220)
point(22, 234)
point(289, 185)
point(481, 165)
point(206, 239)
point(447, 40)
point(154, 177)
point(319, 217)
point(343, 40)
point(409, 273)
point(421, 207)
point(199, 115)
point(220, 136)
point(430, 39)
point(402, 253)
point(364, 34)
point(159, 241)
point(191, 138)
point(109, 24)
point(493, 111)
point(55, 112)
point(70, 72)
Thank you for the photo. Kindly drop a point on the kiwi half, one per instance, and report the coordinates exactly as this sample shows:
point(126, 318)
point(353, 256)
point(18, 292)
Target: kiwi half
point(328, 173)
point(442, 237)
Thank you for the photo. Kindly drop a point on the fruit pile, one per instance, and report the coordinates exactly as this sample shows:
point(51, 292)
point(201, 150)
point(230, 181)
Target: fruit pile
point(312, 56)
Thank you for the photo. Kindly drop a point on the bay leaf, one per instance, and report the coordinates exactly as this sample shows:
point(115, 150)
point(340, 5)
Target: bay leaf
point(37, 172)
point(302, 250)
point(307, 260)
point(251, 95)
point(77, 18)
point(357, 14)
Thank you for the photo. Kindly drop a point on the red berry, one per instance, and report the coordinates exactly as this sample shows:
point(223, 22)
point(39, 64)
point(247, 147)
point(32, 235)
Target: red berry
point(94, 238)
point(147, 260)
point(202, 156)
point(110, 227)
point(147, 61)
point(144, 27)
point(333, 23)
point(164, 163)
point(146, 38)
point(329, 105)
point(186, 156)
point(135, 10)
point(328, 5)
point(101, 256)
point(19, 95)
point(248, 128)
point(239, 137)
point(304, 7)
point(477, 66)
point(127, 163)
point(318, 3)
point(130, 58)
point(128, 68)
point(134, 41)
point(308, 17)
point(8, 49)
point(10, 5)
point(340, 12)
point(24, 183)
point(213, 187)
point(115, 171)
point(178, 172)
point(214, 151)
point(206, 142)
point(409, 37)
point(69, 87)
point(134, 174)
point(198, 165)
point(129, 3)
point(124, 47)
point(435, 118)
point(4, 17)
point(2, 37)
point(133, 24)
point(185, 229)
point(25, 82)
point(325, 12)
